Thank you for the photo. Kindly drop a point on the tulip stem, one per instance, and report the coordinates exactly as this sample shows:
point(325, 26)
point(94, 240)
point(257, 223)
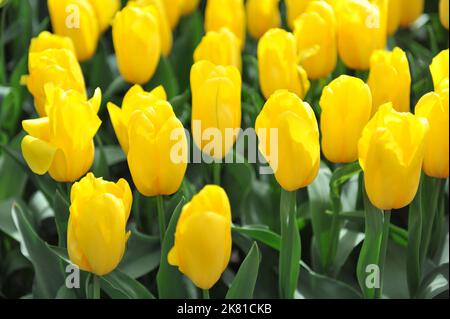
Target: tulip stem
point(383, 249)
point(161, 217)
point(205, 293)
point(216, 172)
point(95, 287)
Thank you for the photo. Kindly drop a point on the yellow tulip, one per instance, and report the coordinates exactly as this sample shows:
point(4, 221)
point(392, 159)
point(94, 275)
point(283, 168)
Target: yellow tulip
point(391, 152)
point(262, 15)
point(77, 20)
point(346, 105)
point(226, 14)
point(434, 107)
point(173, 11)
point(135, 99)
point(165, 31)
point(394, 13)
point(390, 79)
point(315, 31)
point(57, 66)
point(362, 29)
point(297, 162)
point(220, 47)
point(411, 11)
point(443, 12)
point(135, 30)
point(294, 8)
point(157, 154)
point(189, 6)
point(46, 40)
point(105, 11)
point(202, 246)
point(216, 104)
point(439, 68)
point(277, 61)
point(96, 232)
point(62, 143)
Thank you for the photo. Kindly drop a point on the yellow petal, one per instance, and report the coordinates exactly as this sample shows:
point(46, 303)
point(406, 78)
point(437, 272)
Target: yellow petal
point(38, 154)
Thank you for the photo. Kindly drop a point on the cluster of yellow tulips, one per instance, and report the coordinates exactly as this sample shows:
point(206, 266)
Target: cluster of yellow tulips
point(367, 122)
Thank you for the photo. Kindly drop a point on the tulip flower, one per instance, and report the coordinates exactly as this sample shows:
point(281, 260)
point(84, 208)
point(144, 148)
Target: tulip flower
point(362, 29)
point(62, 143)
point(346, 105)
point(226, 14)
point(96, 232)
point(262, 15)
point(443, 12)
point(157, 154)
point(277, 62)
point(216, 104)
point(298, 159)
point(439, 68)
point(394, 13)
point(434, 107)
point(202, 246)
point(189, 6)
point(294, 8)
point(136, 30)
point(173, 11)
point(390, 79)
point(77, 20)
point(315, 31)
point(105, 11)
point(135, 99)
point(411, 11)
point(46, 40)
point(165, 31)
point(220, 47)
point(57, 66)
point(391, 152)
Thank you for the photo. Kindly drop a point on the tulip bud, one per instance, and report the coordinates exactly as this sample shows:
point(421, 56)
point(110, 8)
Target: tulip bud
point(57, 66)
point(315, 31)
point(346, 105)
point(443, 12)
point(136, 30)
point(46, 40)
point(391, 152)
point(434, 107)
point(202, 246)
point(390, 80)
point(96, 232)
point(277, 62)
point(221, 48)
point(189, 6)
point(297, 163)
point(439, 68)
point(157, 154)
point(216, 105)
point(411, 11)
point(226, 14)
point(294, 8)
point(105, 11)
point(394, 13)
point(135, 99)
point(262, 15)
point(76, 19)
point(62, 143)
point(173, 11)
point(362, 29)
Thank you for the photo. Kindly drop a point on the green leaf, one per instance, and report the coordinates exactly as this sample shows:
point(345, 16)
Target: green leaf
point(100, 167)
point(61, 210)
point(261, 234)
point(6, 221)
point(435, 283)
point(119, 285)
point(112, 153)
point(164, 76)
point(244, 283)
point(65, 293)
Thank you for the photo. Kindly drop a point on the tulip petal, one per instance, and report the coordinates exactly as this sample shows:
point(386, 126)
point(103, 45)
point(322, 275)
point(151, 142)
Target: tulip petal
point(38, 154)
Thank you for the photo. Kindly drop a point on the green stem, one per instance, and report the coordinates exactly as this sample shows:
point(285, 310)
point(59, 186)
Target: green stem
point(383, 250)
point(216, 172)
point(161, 217)
point(334, 239)
point(205, 293)
point(95, 287)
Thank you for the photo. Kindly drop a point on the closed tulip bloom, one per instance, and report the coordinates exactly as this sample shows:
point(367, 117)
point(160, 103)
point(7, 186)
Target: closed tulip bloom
point(96, 232)
point(105, 11)
point(57, 66)
point(411, 11)
point(298, 159)
point(391, 152)
point(315, 31)
point(294, 8)
point(173, 11)
point(262, 15)
point(362, 29)
point(226, 14)
point(220, 47)
point(346, 105)
point(77, 20)
point(277, 62)
point(62, 143)
point(136, 30)
point(394, 13)
point(443, 12)
point(216, 104)
point(157, 154)
point(390, 79)
point(189, 6)
point(434, 107)
point(135, 99)
point(202, 246)
point(439, 68)
point(46, 40)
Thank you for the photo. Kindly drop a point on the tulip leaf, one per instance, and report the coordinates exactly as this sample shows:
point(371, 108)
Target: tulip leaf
point(119, 285)
point(6, 221)
point(100, 166)
point(435, 283)
point(261, 234)
point(164, 76)
point(244, 283)
point(61, 210)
